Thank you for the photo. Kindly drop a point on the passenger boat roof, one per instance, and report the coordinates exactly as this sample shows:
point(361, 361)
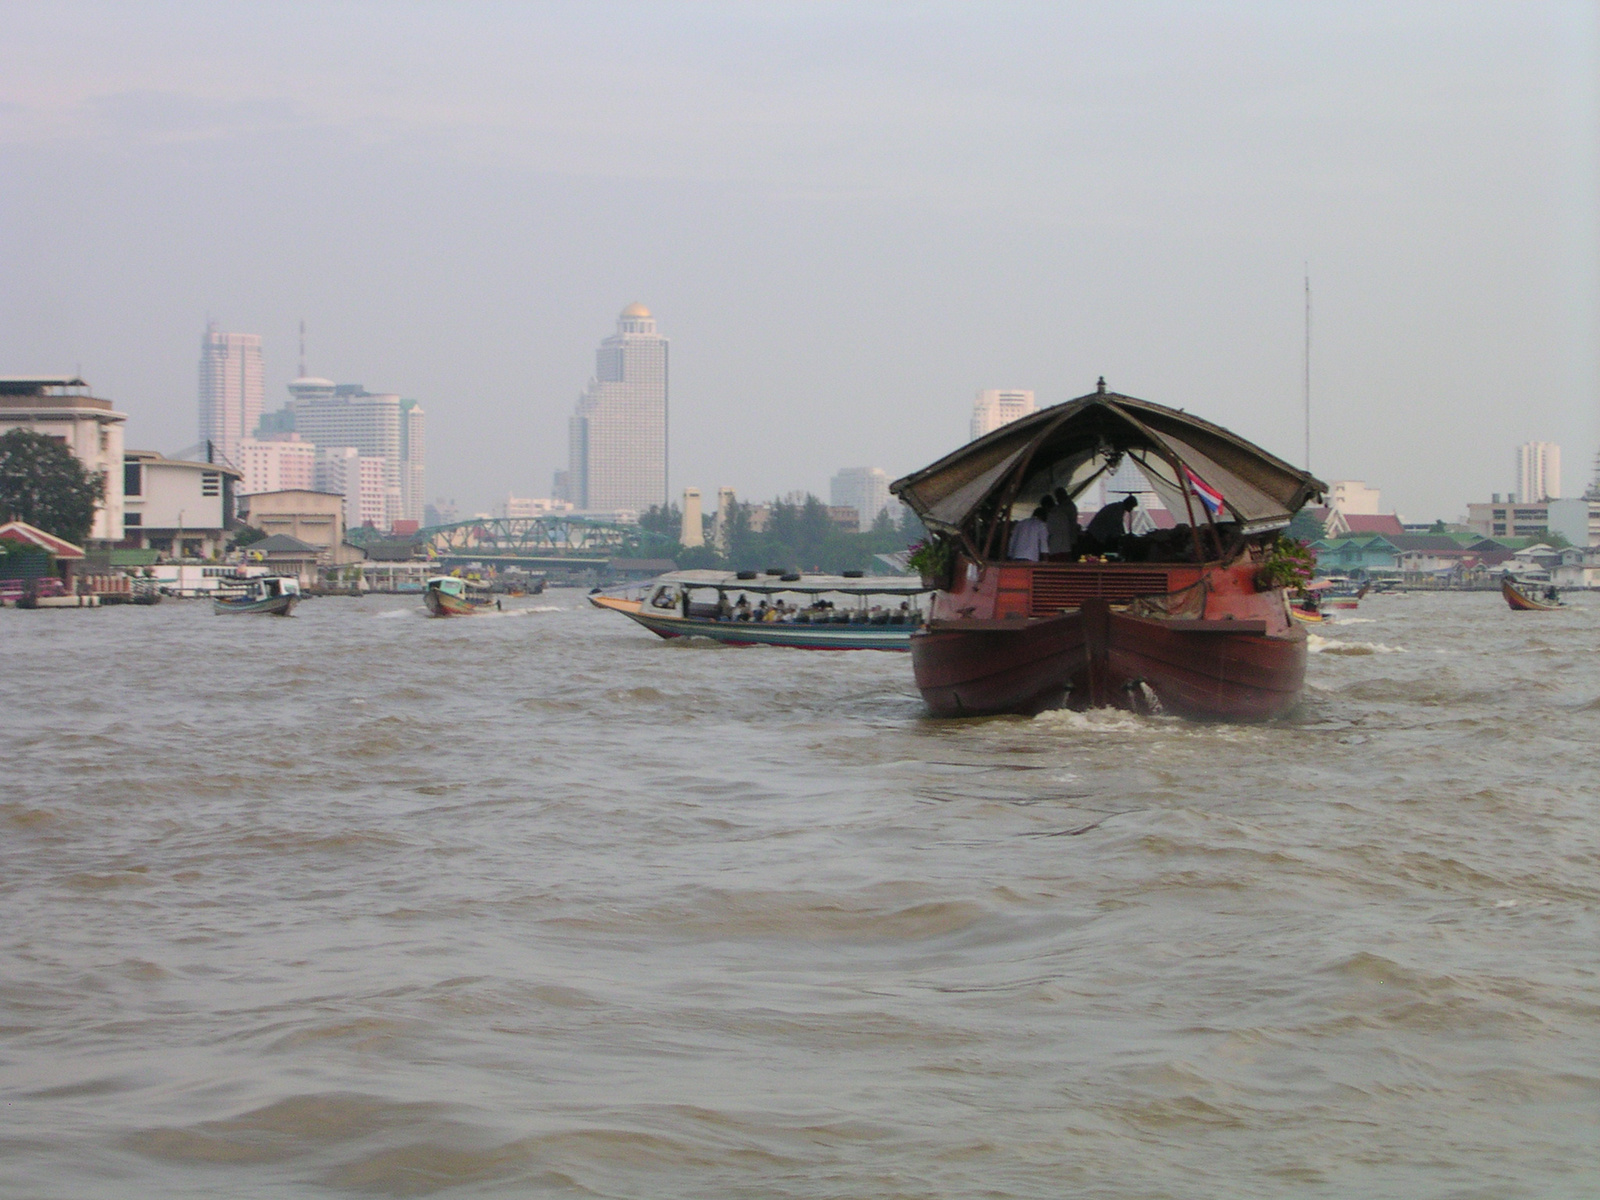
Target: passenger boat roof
point(1060, 446)
point(874, 585)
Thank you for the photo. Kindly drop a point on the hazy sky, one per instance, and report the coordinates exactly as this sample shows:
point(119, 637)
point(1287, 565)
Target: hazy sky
point(847, 217)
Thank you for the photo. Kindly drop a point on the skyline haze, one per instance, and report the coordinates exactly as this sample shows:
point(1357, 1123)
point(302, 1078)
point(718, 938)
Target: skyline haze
point(850, 219)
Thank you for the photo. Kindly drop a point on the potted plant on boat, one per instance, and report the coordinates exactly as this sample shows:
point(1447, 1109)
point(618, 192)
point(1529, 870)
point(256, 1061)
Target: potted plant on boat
point(933, 558)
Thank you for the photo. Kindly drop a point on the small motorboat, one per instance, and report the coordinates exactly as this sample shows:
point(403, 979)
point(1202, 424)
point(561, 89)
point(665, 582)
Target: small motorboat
point(1346, 601)
point(1520, 601)
point(453, 596)
point(272, 595)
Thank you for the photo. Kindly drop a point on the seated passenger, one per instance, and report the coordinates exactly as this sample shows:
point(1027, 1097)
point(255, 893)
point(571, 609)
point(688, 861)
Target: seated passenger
point(1029, 537)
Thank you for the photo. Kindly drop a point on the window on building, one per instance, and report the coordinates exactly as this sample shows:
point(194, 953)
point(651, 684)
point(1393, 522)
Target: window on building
point(132, 520)
point(210, 483)
point(132, 479)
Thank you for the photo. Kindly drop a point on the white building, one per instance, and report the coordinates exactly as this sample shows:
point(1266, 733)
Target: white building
point(61, 407)
point(865, 489)
point(378, 424)
point(691, 529)
point(277, 462)
point(230, 390)
point(617, 438)
point(180, 508)
point(361, 479)
point(999, 406)
point(531, 506)
point(1354, 498)
point(1538, 472)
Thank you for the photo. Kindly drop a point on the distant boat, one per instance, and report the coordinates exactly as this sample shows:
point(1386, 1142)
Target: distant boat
point(269, 595)
point(1343, 601)
point(1520, 601)
point(453, 596)
point(669, 609)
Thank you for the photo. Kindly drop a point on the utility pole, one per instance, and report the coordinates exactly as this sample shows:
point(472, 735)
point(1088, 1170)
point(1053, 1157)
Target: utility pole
point(1308, 369)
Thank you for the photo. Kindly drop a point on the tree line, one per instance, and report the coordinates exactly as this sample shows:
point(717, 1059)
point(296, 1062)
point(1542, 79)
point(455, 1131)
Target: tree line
point(796, 537)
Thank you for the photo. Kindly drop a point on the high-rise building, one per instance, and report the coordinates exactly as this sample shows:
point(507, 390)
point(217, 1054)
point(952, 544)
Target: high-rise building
point(1538, 472)
point(617, 438)
point(277, 463)
point(691, 529)
point(360, 479)
point(379, 425)
point(230, 389)
point(999, 406)
point(865, 489)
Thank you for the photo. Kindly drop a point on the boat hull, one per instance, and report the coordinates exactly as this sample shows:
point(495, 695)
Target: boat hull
point(762, 633)
point(1520, 602)
point(1096, 656)
point(272, 606)
point(442, 604)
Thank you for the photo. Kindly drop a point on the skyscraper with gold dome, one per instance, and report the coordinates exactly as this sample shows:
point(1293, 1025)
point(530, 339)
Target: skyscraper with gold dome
point(617, 438)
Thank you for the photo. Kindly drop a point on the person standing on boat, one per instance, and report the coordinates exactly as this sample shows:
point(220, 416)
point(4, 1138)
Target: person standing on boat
point(1106, 531)
point(1030, 537)
point(1062, 522)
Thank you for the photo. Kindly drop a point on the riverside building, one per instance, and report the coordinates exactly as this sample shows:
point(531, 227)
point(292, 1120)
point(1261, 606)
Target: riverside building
point(617, 438)
point(61, 407)
point(230, 389)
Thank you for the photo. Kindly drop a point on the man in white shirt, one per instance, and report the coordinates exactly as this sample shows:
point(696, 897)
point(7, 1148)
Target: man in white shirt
point(1030, 537)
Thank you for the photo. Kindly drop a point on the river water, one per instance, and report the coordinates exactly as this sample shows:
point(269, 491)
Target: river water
point(535, 904)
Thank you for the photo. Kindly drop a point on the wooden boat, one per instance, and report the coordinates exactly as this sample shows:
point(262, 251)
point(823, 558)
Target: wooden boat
point(453, 596)
point(1520, 601)
point(1177, 620)
point(708, 604)
point(1305, 614)
point(268, 595)
point(1346, 601)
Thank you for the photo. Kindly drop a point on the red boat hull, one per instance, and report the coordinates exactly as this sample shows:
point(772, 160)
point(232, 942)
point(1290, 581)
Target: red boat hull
point(1097, 657)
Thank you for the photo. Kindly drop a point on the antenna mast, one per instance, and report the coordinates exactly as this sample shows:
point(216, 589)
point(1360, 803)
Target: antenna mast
point(302, 347)
point(1308, 368)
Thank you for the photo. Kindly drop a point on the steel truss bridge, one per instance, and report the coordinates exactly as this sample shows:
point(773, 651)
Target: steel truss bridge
point(551, 541)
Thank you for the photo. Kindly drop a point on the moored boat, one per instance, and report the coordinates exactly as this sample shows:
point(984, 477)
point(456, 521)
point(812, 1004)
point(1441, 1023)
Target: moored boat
point(1521, 601)
point(453, 596)
point(264, 595)
point(838, 613)
point(1193, 620)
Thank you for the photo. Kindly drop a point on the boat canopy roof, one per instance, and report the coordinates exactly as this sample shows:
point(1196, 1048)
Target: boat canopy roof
point(874, 585)
point(1069, 445)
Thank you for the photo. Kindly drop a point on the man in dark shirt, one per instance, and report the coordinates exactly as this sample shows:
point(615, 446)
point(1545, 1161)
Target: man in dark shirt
point(1105, 532)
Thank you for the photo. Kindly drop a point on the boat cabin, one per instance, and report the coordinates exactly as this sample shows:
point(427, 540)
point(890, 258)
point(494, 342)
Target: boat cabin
point(1010, 544)
point(789, 598)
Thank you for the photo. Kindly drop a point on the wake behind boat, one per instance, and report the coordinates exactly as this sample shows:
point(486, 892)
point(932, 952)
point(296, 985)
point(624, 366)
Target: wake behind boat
point(265, 595)
point(811, 612)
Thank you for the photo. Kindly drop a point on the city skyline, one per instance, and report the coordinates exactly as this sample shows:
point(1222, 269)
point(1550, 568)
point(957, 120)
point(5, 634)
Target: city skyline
point(797, 191)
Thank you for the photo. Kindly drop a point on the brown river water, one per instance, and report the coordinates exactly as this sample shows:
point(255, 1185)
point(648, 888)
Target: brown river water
point(536, 904)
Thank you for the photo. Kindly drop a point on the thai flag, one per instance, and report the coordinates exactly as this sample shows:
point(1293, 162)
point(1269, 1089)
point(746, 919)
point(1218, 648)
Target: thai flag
point(1209, 496)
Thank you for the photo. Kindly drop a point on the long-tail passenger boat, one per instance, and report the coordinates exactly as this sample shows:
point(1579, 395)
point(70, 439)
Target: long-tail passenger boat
point(1191, 620)
point(1521, 601)
point(263, 595)
point(839, 613)
point(453, 596)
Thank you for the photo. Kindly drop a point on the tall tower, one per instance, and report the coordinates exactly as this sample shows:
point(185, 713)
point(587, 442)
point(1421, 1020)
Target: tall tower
point(1538, 472)
point(230, 389)
point(617, 438)
point(999, 406)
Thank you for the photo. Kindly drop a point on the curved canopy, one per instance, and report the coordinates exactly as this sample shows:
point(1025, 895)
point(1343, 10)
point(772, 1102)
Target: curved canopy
point(1069, 445)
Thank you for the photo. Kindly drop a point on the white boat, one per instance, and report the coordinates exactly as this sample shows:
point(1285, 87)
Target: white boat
point(811, 612)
